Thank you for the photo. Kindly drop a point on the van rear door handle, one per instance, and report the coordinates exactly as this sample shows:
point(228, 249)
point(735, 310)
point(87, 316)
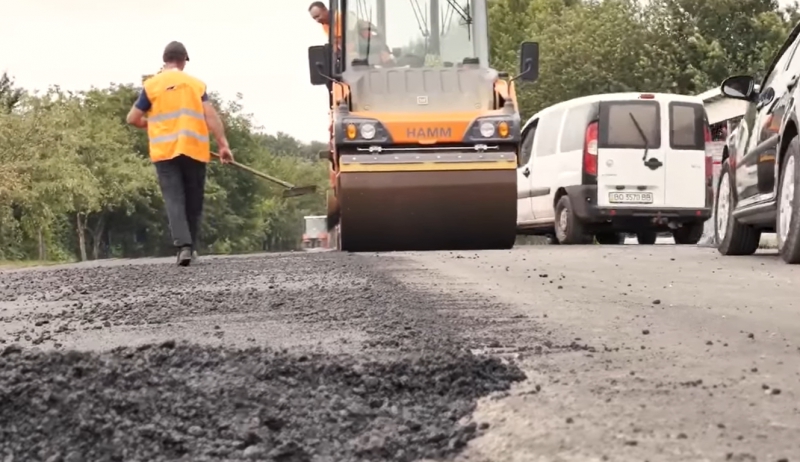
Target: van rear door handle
point(526, 172)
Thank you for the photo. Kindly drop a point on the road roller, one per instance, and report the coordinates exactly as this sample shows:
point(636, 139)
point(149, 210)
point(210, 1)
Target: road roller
point(424, 133)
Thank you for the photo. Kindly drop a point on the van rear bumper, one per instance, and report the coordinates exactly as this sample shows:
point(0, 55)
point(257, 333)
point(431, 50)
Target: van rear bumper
point(584, 202)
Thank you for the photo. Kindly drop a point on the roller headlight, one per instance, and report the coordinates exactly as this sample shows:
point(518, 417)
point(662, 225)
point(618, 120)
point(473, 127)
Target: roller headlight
point(362, 130)
point(487, 129)
point(496, 128)
point(368, 131)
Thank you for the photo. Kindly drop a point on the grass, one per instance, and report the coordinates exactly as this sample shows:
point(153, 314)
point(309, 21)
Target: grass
point(16, 264)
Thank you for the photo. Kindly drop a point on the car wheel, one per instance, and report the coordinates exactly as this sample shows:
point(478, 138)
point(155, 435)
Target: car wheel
point(733, 238)
point(688, 234)
point(788, 226)
point(610, 238)
point(569, 229)
point(647, 237)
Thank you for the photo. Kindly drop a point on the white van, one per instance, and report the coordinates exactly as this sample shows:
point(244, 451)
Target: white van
point(603, 166)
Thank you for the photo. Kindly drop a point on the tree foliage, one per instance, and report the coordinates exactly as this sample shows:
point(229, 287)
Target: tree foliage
point(674, 46)
point(76, 181)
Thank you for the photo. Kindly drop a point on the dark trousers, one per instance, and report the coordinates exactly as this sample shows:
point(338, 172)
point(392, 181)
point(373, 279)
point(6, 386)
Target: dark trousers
point(182, 180)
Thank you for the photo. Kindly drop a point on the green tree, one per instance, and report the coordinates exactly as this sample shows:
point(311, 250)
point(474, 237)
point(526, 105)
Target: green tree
point(585, 48)
point(50, 179)
point(76, 182)
point(10, 94)
point(710, 40)
point(120, 179)
point(678, 46)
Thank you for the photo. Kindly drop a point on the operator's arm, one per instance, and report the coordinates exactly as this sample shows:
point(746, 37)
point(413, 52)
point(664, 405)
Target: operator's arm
point(139, 109)
point(214, 122)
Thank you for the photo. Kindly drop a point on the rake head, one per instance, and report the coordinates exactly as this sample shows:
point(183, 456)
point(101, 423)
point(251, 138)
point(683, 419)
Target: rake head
point(299, 191)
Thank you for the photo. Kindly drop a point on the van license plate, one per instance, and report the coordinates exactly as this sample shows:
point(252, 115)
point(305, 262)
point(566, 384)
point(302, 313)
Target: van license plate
point(630, 198)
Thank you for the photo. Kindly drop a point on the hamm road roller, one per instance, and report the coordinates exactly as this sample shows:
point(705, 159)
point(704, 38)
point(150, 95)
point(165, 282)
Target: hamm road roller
point(424, 133)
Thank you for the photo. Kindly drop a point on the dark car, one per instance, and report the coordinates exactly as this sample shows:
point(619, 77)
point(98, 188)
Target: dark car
point(757, 190)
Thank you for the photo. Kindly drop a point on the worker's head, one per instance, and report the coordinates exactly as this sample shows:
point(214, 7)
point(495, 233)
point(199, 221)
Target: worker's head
point(319, 12)
point(175, 55)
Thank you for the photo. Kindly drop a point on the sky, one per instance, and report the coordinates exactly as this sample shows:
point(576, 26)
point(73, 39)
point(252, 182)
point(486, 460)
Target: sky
point(255, 47)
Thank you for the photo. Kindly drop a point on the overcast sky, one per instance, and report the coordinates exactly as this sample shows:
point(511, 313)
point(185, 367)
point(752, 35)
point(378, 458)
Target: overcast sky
point(256, 47)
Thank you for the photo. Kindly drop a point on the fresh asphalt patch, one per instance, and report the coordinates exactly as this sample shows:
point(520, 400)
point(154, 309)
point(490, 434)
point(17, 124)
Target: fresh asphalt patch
point(183, 402)
point(404, 393)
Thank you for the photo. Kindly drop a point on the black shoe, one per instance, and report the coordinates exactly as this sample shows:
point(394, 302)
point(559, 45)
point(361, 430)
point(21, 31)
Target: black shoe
point(185, 256)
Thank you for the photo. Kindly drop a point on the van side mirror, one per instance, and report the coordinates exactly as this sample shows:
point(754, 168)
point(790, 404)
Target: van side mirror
point(528, 62)
point(739, 87)
point(319, 64)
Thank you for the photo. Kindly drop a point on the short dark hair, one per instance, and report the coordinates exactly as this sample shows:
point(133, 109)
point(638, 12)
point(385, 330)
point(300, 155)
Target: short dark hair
point(319, 5)
point(175, 52)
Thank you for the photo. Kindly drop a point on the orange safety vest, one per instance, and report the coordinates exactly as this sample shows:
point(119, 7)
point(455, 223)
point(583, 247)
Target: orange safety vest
point(338, 35)
point(327, 27)
point(176, 122)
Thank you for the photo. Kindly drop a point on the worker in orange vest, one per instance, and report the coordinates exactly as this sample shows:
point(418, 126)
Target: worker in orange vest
point(179, 118)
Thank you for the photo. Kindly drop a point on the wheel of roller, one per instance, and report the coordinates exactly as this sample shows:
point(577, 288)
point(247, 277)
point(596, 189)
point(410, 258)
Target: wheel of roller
point(427, 210)
point(333, 211)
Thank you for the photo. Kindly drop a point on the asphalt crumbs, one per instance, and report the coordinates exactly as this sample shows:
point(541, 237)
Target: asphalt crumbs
point(362, 367)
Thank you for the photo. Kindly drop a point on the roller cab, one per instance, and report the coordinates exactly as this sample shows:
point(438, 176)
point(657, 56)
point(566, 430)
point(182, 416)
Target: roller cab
point(424, 134)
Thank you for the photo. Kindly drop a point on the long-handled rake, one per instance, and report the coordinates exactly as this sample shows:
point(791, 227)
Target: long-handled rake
point(290, 189)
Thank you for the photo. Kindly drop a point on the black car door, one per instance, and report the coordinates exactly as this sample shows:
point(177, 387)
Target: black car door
point(755, 172)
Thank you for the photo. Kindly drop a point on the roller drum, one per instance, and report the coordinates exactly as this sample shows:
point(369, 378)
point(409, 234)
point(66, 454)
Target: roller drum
point(466, 209)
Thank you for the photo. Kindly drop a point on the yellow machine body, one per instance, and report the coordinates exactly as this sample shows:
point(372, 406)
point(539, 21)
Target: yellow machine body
point(423, 156)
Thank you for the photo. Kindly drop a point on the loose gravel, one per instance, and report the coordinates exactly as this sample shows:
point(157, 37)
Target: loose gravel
point(184, 402)
point(325, 292)
point(406, 393)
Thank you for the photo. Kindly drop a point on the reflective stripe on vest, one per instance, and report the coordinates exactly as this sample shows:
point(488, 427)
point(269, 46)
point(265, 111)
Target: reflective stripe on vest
point(176, 122)
point(176, 136)
point(176, 114)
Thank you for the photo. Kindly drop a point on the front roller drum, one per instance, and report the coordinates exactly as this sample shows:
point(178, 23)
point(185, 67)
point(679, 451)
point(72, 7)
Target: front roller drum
point(427, 210)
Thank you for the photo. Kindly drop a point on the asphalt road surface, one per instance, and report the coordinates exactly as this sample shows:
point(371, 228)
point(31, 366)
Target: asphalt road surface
point(541, 353)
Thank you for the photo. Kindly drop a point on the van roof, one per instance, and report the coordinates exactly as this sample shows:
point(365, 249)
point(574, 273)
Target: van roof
point(615, 97)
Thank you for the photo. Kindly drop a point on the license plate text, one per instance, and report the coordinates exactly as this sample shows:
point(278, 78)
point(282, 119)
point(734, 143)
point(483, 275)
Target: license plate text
point(630, 197)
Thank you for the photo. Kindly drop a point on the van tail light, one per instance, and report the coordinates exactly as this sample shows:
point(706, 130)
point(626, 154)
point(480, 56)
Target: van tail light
point(709, 159)
point(590, 149)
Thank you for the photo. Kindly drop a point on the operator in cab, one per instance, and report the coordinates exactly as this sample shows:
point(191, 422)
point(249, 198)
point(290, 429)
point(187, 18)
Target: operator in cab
point(367, 36)
point(319, 13)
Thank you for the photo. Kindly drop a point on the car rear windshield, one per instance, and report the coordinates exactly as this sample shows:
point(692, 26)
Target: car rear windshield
point(686, 122)
point(618, 129)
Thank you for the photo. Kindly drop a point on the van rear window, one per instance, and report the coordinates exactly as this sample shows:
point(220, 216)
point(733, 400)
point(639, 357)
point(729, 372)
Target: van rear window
point(618, 129)
point(686, 122)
